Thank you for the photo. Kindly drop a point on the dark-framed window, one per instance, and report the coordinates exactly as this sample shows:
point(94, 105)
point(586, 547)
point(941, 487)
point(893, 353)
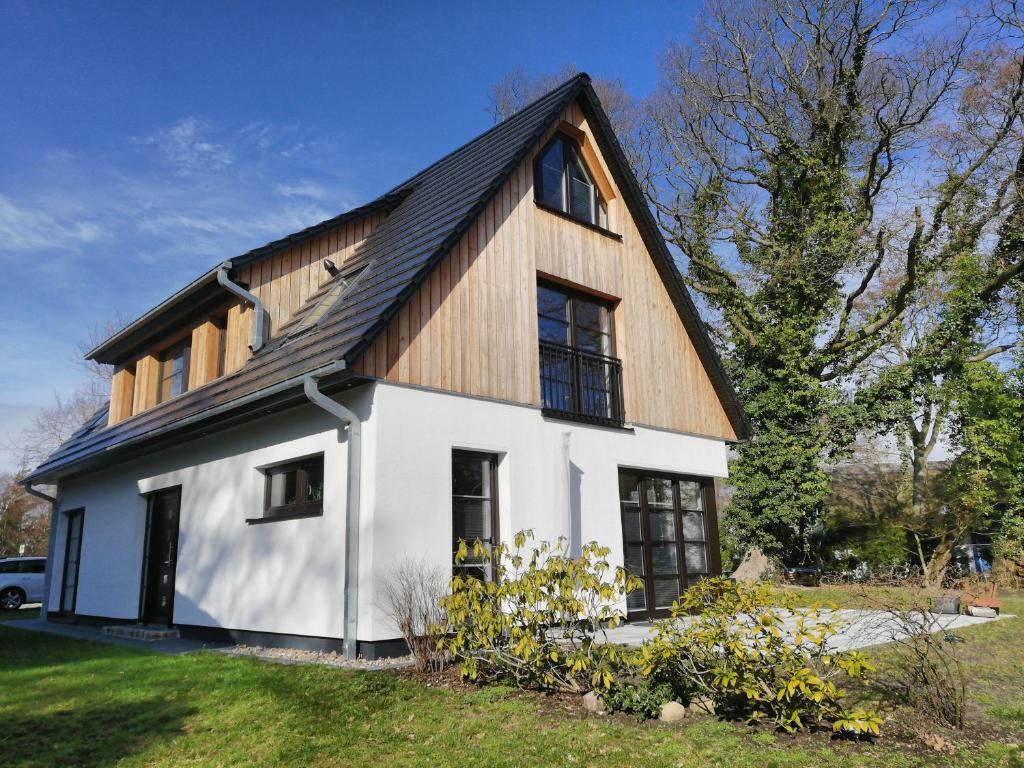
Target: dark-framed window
point(294, 488)
point(174, 362)
point(669, 536)
point(475, 510)
point(563, 182)
point(72, 559)
point(579, 377)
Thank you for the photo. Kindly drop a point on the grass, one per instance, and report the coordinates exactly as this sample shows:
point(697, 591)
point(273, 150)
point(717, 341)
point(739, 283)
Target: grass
point(21, 613)
point(72, 703)
point(855, 596)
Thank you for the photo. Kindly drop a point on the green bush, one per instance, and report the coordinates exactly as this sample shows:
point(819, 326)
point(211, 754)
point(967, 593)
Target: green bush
point(639, 696)
point(541, 624)
point(726, 642)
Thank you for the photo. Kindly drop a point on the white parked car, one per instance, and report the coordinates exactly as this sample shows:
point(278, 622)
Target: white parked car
point(21, 581)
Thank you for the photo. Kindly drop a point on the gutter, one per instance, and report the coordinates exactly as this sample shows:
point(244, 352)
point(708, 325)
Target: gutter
point(200, 416)
point(258, 333)
point(27, 485)
point(355, 438)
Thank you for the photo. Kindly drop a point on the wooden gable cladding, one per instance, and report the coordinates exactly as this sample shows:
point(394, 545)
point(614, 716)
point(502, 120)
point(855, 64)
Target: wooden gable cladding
point(204, 365)
point(122, 393)
point(472, 326)
point(283, 281)
point(286, 280)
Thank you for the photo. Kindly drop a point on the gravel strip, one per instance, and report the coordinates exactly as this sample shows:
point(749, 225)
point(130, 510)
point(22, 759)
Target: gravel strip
point(327, 659)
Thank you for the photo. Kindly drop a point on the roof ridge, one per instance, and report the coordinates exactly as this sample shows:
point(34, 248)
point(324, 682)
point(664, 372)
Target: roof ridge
point(503, 123)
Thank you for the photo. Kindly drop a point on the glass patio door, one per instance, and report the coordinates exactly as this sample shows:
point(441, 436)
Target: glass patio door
point(665, 533)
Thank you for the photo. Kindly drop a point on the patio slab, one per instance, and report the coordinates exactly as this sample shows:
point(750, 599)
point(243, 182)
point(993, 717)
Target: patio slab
point(173, 646)
point(860, 629)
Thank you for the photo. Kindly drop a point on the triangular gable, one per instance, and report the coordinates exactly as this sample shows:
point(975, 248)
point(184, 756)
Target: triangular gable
point(439, 336)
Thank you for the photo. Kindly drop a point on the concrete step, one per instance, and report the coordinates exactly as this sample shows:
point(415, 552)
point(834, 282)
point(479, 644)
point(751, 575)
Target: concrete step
point(142, 633)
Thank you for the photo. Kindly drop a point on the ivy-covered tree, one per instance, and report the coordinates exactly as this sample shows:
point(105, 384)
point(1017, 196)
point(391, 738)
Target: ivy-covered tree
point(981, 490)
point(807, 157)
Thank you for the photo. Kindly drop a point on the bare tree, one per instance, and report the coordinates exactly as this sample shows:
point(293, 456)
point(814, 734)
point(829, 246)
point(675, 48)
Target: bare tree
point(53, 424)
point(24, 524)
point(516, 89)
point(97, 334)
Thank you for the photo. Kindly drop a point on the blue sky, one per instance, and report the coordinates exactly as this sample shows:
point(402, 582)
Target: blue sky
point(142, 142)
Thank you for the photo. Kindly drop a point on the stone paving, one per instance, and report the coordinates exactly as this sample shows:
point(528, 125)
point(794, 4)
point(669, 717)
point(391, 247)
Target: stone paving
point(860, 630)
point(94, 633)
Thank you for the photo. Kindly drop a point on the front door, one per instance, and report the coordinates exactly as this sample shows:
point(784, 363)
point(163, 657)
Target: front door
point(161, 557)
point(669, 535)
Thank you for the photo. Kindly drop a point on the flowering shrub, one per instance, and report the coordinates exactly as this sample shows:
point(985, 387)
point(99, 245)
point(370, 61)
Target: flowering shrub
point(541, 623)
point(727, 643)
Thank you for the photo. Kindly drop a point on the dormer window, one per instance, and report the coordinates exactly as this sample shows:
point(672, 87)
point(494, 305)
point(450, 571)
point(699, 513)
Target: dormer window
point(564, 183)
point(174, 370)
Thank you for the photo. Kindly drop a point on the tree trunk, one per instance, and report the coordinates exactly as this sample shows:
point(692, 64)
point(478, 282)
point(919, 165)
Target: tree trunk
point(940, 559)
point(919, 479)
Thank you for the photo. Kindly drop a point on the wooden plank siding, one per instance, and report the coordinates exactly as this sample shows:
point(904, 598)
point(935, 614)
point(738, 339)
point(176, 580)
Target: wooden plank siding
point(284, 282)
point(472, 326)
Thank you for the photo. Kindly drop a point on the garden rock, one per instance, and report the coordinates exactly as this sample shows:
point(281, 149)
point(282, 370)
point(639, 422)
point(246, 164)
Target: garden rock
point(702, 705)
point(982, 611)
point(671, 712)
point(592, 703)
point(755, 566)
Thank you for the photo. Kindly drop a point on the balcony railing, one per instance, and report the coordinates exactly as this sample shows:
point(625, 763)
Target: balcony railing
point(580, 385)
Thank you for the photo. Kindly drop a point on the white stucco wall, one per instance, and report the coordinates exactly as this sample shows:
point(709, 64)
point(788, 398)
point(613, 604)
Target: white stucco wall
point(284, 576)
point(561, 479)
point(538, 487)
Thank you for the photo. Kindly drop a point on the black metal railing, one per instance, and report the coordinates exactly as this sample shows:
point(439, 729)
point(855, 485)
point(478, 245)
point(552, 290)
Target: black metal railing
point(580, 385)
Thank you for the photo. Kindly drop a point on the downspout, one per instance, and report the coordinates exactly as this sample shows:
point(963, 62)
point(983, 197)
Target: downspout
point(51, 541)
point(258, 335)
point(354, 426)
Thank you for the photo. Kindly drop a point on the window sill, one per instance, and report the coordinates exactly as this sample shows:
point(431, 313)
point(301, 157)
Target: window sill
point(284, 516)
point(562, 214)
point(589, 421)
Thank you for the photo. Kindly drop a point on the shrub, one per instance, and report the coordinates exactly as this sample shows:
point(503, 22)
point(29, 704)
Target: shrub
point(736, 651)
point(412, 596)
point(921, 659)
point(541, 624)
point(639, 696)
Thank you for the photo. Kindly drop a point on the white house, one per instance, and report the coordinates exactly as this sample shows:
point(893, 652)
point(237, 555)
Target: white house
point(501, 342)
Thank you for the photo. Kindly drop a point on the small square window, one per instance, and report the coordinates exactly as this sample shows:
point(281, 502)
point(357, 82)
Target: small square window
point(174, 364)
point(295, 489)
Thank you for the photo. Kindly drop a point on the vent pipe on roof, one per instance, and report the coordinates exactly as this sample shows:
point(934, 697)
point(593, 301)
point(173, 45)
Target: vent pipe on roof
point(259, 327)
point(355, 439)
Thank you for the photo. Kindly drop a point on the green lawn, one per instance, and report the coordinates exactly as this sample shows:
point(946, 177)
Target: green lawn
point(23, 613)
point(72, 703)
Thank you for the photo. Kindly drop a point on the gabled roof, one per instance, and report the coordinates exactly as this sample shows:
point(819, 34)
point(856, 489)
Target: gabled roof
point(430, 213)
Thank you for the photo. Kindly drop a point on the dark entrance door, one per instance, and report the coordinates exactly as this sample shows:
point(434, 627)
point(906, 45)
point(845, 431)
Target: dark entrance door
point(161, 557)
point(669, 535)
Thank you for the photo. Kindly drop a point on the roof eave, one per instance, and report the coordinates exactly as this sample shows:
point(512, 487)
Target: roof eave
point(107, 351)
point(287, 394)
